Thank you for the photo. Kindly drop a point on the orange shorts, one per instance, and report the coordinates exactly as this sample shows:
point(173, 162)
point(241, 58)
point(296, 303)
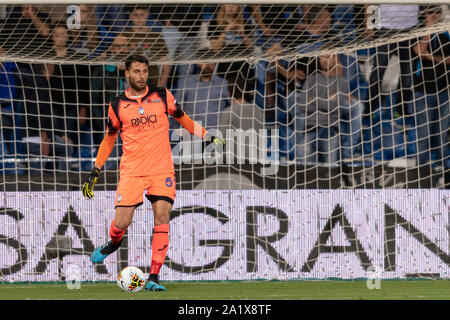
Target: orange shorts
point(130, 190)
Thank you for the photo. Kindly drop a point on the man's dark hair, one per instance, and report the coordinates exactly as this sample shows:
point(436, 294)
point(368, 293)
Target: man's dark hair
point(430, 9)
point(313, 12)
point(58, 24)
point(130, 9)
point(135, 58)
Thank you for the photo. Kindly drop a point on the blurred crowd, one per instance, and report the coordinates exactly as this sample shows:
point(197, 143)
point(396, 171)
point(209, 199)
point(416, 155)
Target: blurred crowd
point(327, 108)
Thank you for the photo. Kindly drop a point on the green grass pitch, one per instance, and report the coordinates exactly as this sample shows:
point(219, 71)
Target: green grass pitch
point(238, 290)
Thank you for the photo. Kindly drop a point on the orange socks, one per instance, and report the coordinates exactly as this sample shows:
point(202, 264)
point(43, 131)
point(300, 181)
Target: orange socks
point(160, 245)
point(115, 233)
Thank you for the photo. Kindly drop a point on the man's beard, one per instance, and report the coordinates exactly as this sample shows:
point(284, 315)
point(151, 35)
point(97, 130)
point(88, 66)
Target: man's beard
point(207, 73)
point(136, 87)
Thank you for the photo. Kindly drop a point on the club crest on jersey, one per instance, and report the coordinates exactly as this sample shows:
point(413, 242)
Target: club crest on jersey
point(141, 110)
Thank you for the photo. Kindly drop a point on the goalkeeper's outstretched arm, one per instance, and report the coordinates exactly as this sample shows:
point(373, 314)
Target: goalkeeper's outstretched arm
point(176, 111)
point(197, 130)
point(190, 125)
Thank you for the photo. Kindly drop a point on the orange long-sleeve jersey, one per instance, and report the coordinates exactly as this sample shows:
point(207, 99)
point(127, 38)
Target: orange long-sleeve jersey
point(144, 126)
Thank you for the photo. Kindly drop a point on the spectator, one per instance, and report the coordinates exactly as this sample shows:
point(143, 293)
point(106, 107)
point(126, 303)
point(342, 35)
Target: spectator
point(229, 35)
point(187, 19)
point(169, 31)
point(120, 48)
point(241, 114)
point(317, 34)
point(284, 77)
point(149, 43)
point(108, 81)
point(291, 74)
point(7, 96)
point(243, 121)
point(278, 23)
point(321, 105)
point(277, 19)
point(57, 13)
point(38, 22)
point(319, 24)
point(69, 91)
point(204, 95)
point(431, 60)
point(393, 19)
point(90, 40)
point(25, 30)
point(38, 134)
point(111, 16)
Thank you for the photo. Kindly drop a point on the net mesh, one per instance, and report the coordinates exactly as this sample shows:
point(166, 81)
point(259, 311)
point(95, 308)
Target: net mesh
point(311, 99)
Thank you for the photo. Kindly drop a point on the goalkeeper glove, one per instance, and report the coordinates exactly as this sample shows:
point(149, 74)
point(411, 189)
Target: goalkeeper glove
point(217, 141)
point(88, 186)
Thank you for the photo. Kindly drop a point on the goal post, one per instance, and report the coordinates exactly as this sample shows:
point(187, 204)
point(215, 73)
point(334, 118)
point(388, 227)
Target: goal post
point(335, 117)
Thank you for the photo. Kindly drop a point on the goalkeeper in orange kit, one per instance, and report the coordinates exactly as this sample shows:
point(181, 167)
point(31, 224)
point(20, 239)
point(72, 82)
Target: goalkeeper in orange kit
point(141, 115)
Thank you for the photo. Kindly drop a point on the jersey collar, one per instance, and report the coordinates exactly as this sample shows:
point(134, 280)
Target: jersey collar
point(138, 99)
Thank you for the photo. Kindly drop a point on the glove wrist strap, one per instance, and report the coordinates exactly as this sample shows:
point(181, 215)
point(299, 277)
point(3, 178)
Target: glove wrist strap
point(208, 136)
point(95, 172)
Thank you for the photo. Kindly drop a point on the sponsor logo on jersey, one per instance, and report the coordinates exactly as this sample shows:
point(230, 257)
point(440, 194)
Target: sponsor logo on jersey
point(143, 120)
point(155, 100)
point(119, 197)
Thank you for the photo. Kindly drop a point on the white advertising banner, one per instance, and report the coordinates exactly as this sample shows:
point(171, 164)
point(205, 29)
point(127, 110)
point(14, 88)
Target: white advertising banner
point(234, 235)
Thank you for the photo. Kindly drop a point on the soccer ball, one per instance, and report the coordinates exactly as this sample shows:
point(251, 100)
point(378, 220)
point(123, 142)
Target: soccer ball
point(131, 279)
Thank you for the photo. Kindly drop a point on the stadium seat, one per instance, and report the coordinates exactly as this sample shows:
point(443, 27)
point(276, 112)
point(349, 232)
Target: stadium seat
point(387, 141)
point(16, 148)
point(411, 142)
point(353, 73)
point(5, 156)
point(2, 151)
point(86, 150)
point(260, 73)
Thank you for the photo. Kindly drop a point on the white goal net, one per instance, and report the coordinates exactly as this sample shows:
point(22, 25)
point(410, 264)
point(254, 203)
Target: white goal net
point(336, 121)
